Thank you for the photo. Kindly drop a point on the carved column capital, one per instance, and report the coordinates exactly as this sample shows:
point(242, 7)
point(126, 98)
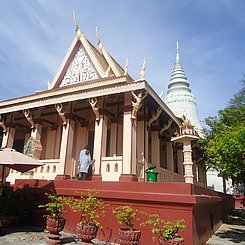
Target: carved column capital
point(29, 118)
point(3, 125)
point(61, 112)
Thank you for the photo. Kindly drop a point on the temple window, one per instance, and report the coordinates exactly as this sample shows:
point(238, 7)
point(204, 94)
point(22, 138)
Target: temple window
point(48, 169)
point(41, 171)
point(116, 167)
point(54, 169)
point(107, 167)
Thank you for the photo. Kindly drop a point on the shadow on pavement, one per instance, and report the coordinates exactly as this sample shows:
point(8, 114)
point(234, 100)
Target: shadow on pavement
point(235, 227)
point(8, 230)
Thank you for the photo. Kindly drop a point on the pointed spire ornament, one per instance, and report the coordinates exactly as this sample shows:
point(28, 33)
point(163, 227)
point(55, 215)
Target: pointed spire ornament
point(142, 72)
point(77, 29)
point(126, 67)
point(177, 51)
point(98, 38)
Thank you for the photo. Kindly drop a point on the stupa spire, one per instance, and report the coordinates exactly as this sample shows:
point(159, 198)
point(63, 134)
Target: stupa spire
point(177, 51)
point(179, 97)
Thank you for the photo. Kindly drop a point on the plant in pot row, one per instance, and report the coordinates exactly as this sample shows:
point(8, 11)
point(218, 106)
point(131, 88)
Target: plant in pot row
point(167, 232)
point(127, 216)
point(92, 208)
point(55, 223)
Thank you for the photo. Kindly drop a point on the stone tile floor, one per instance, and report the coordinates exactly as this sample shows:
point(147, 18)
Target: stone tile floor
point(232, 231)
point(35, 236)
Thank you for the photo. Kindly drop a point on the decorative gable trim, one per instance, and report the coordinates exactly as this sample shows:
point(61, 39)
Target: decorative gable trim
point(81, 69)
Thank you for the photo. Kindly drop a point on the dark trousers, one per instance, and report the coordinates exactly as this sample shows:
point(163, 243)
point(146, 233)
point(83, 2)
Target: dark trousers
point(82, 176)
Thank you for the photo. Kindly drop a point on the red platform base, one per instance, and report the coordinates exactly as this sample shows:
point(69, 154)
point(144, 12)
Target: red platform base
point(62, 177)
point(97, 177)
point(128, 178)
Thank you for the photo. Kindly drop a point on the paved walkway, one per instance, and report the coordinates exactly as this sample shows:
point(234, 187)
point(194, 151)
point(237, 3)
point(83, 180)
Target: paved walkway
point(232, 231)
point(35, 236)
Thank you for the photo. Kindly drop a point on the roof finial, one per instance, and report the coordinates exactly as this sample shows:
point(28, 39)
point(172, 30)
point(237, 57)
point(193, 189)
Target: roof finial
point(77, 29)
point(98, 38)
point(75, 19)
point(142, 72)
point(126, 67)
point(97, 33)
point(177, 50)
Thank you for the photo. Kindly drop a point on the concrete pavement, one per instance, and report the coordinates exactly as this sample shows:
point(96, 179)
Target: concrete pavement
point(232, 231)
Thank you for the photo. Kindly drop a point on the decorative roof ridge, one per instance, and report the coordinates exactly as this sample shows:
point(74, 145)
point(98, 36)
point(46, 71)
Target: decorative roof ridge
point(119, 85)
point(53, 84)
point(116, 68)
point(69, 89)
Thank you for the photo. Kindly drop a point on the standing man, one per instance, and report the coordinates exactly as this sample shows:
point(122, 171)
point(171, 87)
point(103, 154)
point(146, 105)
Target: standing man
point(84, 163)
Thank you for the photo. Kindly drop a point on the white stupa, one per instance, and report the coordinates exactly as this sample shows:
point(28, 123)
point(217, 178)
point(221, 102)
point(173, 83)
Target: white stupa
point(179, 97)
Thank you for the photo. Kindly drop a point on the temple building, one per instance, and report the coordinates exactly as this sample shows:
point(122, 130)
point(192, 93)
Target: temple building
point(93, 101)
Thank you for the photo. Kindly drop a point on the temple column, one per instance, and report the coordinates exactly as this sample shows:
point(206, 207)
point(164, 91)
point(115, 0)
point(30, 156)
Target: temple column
point(141, 151)
point(155, 148)
point(186, 136)
point(180, 161)
point(36, 134)
point(100, 134)
point(64, 167)
point(113, 142)
point(129, 143)
point(188, 164)
point(7, 141)
point(170, 156)
point(8, 137)
point(146, 140)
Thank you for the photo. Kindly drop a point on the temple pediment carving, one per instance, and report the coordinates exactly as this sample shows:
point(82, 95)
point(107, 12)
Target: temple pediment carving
point(81, 69)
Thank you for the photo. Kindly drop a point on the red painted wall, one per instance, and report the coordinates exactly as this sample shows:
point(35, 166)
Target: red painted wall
point(202, 209)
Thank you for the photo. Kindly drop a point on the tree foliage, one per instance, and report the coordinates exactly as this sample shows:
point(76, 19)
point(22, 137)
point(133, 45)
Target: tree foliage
point(224, 145)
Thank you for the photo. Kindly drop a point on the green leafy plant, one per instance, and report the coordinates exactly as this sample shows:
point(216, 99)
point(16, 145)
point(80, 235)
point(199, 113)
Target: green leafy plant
point(16, 202)
point(166, 229)
point(127, 216)
point(90, 207)
point(56, 205)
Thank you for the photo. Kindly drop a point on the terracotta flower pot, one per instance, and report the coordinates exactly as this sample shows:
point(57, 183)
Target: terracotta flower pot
point(129, 237)
point(55, 225)
point(86, 233)
point(175, 241)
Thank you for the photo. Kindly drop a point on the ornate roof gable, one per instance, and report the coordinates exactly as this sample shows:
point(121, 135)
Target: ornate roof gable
point(81, 69)
point(83, 62)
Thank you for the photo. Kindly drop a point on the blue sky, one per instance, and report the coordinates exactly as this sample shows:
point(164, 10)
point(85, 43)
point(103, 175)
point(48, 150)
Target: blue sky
point(35, 36)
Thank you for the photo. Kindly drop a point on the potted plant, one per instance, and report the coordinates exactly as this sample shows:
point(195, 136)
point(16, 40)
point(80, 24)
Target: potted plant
point(91, 209)
point(55, 223)
point(166, 231)
point(127, 216)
